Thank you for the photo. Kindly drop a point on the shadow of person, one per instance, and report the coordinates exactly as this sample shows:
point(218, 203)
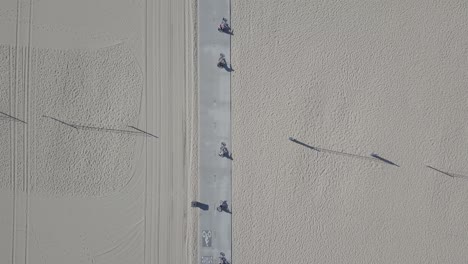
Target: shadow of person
point(226, 155)
point(228, 68)
point(228, 30)
point(224, 207)
point(227, 210)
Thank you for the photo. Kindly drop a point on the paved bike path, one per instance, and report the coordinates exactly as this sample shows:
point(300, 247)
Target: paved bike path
point(214, 127)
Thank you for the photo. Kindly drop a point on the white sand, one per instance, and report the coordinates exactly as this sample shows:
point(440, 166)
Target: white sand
point(101, 88)
point(87, 195)
point(388, 77)
point(192, 132)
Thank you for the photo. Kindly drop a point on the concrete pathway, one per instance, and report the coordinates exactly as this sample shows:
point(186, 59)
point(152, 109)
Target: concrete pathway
point(215, 127)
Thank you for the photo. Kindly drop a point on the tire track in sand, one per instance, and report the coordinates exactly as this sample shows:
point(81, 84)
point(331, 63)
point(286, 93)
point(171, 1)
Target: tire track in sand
point(166, 199)
point(27, 145)
point(13, 132)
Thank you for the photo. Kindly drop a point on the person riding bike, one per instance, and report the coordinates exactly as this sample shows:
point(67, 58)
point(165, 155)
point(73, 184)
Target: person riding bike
point(221, 61)
point(223, 26)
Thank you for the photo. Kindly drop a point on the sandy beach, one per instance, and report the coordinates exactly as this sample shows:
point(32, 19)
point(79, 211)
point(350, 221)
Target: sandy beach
point(80, 80)
point(357, 77)
point(373, 93)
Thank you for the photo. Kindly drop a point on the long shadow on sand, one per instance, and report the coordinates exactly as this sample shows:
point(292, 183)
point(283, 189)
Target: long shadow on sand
point(12, 118)
point(450, 174)
point(103, 129)
point(374, 158)
point(384, 160)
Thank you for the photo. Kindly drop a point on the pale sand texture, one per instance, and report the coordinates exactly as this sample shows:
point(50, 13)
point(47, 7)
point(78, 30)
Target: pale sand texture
point(192, 131)
point(388, 77)
point(101, 88)
point(94, 196)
